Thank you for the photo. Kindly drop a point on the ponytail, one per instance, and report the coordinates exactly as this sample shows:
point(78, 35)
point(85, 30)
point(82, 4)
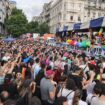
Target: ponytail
point(77, 97)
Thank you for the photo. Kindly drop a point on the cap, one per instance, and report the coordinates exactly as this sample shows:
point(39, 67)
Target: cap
point(93, 63)
point(49, 73)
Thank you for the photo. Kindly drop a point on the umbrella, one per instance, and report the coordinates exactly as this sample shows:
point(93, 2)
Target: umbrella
point(9, 39)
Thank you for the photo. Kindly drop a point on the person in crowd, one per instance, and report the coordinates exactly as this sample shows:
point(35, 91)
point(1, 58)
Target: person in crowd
point(77, 99)
point(37, 67)
point(48, 88)
point(61, 77)
point(95, 94)
point(68, 90)
point(51, 63)
point(100, 100)
point(4, 96)
point(26, 92)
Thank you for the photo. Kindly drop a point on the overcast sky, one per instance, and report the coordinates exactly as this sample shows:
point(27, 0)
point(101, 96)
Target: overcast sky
point(31, 7)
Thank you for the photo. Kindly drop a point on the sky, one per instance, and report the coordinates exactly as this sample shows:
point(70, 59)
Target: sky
point(31, 7)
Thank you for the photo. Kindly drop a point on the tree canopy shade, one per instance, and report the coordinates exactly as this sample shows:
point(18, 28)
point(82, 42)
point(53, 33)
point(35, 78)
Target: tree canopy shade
point(33, 27)
point(43, 28)
point(16, 24)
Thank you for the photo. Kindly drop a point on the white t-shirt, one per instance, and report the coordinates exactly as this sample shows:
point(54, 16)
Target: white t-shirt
point(90, 87)
point(52, 65)
point(90, 97)
point(80, 102)
point(103, 65)
point(67, 93)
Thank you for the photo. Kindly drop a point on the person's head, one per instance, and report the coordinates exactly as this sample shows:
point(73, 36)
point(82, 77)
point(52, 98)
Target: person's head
point(77, 97)
point(80, 57)
point(97, 88)
point(37, 60)
point(4, 96)
point(103, 59)
point(48, 68)
point(70, 84)
point(7, 79)
point(18, 75)
point(103, 89)
point(61, 101)
point(28, 87)
point(86, 59)
point(51, 58)
point(43, 66)
point(49, 74)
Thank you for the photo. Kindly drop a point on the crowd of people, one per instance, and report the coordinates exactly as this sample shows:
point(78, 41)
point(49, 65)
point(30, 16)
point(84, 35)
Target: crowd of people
point(33, 73)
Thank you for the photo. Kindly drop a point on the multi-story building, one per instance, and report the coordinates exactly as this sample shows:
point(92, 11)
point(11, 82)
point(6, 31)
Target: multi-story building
point(12, 4)
point(5, 11)
point(62, 13)
point(45, 15)
point(39, 19)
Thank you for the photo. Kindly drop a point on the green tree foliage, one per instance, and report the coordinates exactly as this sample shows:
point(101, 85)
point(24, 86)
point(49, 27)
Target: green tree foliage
point(43, 28)
point(16, 24)
point(33, 27)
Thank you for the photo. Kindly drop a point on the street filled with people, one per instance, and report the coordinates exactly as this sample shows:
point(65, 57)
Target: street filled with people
point(35, 73)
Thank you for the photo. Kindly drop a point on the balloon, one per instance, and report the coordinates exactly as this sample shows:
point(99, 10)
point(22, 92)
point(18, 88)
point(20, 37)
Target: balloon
point(88, 43)
point(83, 44)
point(80, 44)
point(72, 43)
point(75, 43)
point(68, 41)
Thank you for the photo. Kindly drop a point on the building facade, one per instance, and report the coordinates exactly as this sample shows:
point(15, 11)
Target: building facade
point(12, 4)
point(45, 14)
point(5, 11)
point(62, 13)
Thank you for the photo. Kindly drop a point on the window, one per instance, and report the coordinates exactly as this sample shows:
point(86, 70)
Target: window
point(65, 6)
point(94, 14)
point(71, 17)
point(64, 17)
point(79, 19)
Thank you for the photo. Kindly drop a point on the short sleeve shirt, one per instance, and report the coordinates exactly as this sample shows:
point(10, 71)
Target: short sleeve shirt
point(46, 87)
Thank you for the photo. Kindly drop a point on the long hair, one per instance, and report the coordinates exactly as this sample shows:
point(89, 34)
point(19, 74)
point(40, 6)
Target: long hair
point(77, 97)
point(70, 84)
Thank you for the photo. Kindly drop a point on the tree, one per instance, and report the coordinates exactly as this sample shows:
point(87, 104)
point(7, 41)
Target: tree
point(43, 28)
point(33, 27)
point(16, 24)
